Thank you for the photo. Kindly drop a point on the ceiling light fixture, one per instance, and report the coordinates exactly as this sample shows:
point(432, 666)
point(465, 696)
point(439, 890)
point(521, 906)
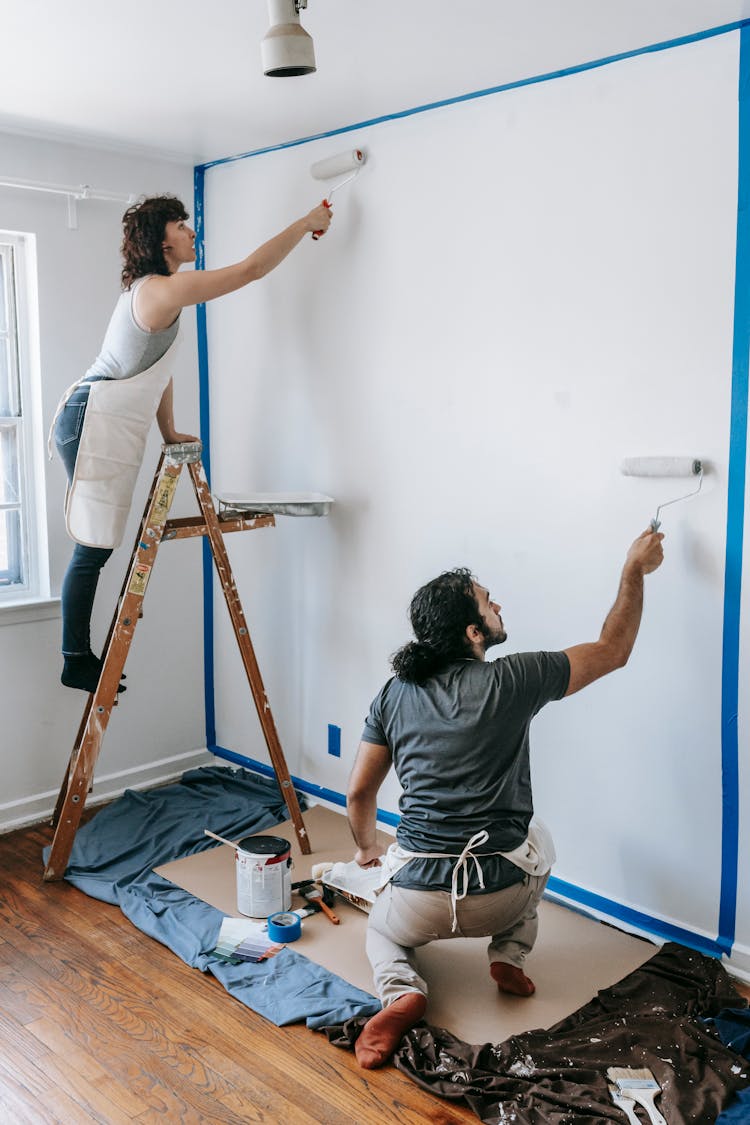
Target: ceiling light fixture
point(286, 48)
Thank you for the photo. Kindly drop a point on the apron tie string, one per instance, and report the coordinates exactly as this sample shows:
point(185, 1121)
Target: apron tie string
point(461, 871)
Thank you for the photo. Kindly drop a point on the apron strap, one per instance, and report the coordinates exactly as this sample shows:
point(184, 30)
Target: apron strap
point(461, 871)
point(535, 856)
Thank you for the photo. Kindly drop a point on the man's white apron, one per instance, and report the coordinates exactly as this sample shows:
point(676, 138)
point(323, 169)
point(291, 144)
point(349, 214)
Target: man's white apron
point(535, 856)
point(115, 428)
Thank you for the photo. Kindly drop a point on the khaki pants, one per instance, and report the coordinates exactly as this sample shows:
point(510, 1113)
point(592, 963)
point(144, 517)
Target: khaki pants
point(401, 920)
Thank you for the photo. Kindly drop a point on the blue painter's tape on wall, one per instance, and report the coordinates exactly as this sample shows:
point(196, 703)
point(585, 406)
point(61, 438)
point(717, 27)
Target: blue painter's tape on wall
point(637, 918)
point(199, 179)
point(382, 816)
point(566, 72)
point(334, 740)
point(730, 679)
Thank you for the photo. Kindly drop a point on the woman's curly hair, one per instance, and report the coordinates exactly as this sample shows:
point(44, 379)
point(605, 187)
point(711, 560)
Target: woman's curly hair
point(440, 612)
point(143, 227)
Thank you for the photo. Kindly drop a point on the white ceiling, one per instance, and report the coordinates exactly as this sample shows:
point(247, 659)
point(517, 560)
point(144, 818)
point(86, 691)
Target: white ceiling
point(184, 77)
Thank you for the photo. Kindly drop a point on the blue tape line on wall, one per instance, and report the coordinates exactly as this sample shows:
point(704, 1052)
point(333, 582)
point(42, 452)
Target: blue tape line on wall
point(735, 523)
point(534, 80)
point(209, 696)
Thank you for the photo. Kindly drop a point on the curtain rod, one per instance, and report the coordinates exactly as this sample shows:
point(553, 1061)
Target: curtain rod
point(72, 194)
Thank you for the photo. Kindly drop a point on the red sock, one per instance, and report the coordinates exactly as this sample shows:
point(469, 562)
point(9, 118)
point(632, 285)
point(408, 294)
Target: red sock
point(382, 1034)
point(509, 978)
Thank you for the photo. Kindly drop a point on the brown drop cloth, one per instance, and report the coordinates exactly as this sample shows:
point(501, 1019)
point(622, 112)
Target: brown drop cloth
point(651, 1018)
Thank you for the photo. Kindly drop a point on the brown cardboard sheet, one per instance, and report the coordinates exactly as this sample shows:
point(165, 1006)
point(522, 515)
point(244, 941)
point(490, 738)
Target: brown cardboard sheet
point(574, 956)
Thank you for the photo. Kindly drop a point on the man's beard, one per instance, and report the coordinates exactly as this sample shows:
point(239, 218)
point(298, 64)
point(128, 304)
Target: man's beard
point(493, 636)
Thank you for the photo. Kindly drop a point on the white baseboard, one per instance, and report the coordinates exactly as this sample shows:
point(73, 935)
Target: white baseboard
point(739, 963)
point(40, 806)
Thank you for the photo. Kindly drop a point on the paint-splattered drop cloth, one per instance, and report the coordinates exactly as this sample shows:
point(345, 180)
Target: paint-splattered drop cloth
point(652, 1018)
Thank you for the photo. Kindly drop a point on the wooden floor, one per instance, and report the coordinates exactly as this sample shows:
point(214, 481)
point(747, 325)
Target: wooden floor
point(100, 1023)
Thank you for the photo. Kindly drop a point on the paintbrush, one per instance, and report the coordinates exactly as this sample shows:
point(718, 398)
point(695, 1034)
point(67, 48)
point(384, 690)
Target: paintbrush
point(627, 1105)
point(314, 894)
point(640, 1085)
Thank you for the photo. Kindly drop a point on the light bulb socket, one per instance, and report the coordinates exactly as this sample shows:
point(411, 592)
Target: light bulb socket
point(286, 49)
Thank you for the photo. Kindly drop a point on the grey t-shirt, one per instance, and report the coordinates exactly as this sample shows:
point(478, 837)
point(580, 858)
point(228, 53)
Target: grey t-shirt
point(460, 748)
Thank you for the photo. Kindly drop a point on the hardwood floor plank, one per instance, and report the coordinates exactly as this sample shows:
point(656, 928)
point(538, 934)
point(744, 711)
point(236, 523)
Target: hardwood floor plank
point(85, 1067)
point(13, 1032)
point(17, 1107)
point(67, 1111)
point(14, 1072)
point(92, 1096)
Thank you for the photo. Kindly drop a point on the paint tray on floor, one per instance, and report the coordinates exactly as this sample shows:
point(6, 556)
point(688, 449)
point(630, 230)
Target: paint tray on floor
point(358, 885)
point(273, 503)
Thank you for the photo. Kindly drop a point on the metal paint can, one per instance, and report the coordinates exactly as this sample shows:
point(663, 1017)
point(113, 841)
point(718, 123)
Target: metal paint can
point(264, 875)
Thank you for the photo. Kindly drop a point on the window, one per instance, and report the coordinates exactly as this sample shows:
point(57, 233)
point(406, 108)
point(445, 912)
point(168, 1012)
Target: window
point(23, 548)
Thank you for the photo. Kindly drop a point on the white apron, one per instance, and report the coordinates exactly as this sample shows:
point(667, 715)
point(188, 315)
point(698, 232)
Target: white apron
point(535, 856)
point(118, 418)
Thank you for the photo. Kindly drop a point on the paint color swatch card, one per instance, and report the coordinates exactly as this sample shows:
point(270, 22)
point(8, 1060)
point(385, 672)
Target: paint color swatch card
point(241, 939)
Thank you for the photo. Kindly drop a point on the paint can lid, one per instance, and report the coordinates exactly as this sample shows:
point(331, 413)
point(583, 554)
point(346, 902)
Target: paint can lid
point(265, 845)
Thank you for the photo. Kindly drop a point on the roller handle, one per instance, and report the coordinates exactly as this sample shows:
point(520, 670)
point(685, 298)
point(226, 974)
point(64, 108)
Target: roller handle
point(317, 233)
point(655, 525)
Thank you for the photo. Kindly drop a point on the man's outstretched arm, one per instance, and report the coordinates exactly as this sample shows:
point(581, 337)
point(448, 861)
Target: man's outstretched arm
point(590, 662)
point(370, 771)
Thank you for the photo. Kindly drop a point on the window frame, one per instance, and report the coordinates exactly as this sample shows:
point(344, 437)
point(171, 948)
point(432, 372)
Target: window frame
point(30, 544)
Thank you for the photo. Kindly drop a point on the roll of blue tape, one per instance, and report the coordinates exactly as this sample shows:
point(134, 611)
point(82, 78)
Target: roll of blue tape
point(284, 927)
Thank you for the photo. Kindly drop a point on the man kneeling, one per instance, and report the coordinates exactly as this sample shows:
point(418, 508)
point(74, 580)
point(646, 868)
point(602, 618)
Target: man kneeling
point(470, 859)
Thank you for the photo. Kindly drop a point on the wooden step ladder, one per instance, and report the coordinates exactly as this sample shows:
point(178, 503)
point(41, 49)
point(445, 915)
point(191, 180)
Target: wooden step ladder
point(155, 528)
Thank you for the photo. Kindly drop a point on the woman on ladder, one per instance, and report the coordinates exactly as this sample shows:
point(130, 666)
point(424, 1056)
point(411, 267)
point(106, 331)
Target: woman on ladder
point(102, 422)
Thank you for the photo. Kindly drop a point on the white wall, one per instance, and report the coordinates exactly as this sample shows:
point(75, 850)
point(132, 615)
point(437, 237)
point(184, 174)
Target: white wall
point(517, 292)
point(162, 712)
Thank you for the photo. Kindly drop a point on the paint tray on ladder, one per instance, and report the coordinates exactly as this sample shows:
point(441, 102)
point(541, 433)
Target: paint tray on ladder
point(273, 503)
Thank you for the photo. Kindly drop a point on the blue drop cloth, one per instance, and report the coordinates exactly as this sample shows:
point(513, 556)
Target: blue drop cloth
point(113, 857)
point(738, 1112)
point(733, 1028)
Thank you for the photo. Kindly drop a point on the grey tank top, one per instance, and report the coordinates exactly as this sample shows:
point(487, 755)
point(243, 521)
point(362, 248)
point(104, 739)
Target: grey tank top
point(129, 349)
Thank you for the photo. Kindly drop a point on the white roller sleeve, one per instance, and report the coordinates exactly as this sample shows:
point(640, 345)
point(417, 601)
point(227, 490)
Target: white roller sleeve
point(337, 165)
point(661, 467)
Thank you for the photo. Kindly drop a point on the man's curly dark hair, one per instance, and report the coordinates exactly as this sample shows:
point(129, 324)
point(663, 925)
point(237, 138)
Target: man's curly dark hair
point(440, 612)
point(144, 224)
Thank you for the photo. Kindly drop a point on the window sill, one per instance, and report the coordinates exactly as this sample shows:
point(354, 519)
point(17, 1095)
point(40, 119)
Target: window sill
point(33, 609)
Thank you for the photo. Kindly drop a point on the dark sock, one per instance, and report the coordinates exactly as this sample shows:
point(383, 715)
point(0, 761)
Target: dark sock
point(509, 978)
point(382, 1034)
point(83, 672)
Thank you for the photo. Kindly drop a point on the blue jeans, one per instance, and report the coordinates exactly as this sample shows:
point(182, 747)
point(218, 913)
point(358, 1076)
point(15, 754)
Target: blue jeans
point(81, 577)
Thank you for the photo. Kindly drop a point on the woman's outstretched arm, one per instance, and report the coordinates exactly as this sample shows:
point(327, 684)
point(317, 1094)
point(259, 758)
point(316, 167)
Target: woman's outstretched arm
point(161, 298)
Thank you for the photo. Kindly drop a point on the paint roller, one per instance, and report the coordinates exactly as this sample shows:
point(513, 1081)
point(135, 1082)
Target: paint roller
point(664, 467)
point(345, 164)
